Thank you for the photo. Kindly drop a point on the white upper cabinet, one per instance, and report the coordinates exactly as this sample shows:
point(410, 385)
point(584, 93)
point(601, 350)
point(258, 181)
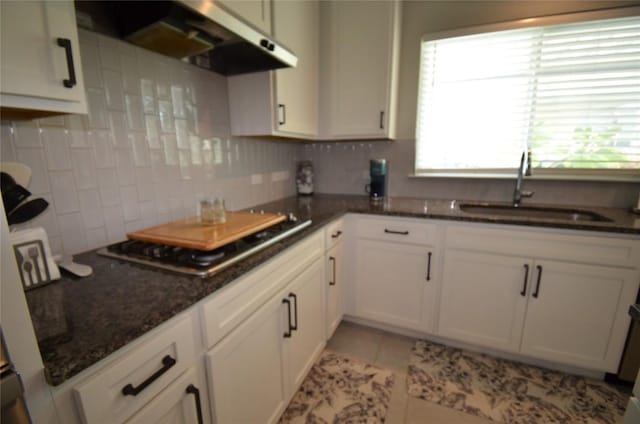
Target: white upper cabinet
point(283, 102)
point(256, 12)
point(40, 67)
point(360, 54)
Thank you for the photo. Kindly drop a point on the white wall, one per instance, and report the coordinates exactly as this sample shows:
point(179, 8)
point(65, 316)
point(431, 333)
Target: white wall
point(343, 168)
point(157, 138)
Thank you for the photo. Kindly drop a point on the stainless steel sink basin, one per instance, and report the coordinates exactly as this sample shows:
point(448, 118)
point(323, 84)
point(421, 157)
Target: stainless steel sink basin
point(533, 212)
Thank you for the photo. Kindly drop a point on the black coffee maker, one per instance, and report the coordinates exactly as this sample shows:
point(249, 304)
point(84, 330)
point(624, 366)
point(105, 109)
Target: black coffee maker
point(377, 189)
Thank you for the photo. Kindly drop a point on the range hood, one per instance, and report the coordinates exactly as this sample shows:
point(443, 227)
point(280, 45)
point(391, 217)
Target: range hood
point(199, 30)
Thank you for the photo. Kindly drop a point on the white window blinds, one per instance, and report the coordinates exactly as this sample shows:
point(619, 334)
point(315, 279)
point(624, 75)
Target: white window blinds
point(568, 93)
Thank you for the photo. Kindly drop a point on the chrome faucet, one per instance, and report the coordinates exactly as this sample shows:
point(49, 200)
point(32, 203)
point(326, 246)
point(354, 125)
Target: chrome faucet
point(518, 193)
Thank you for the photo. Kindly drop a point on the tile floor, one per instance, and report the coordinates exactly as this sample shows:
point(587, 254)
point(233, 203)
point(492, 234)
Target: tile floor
point(391, 351)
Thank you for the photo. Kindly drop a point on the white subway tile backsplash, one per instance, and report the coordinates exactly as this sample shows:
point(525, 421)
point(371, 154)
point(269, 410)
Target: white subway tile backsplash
point(65, 195)
point(26, 134)
point(182, 135)
point(7, 150)
point(102, 147)
point(119, 133)
point(147, 91)
point(130, 207)
point(166, 116)
point(96, 237)
point(74, 239)
point(77, 130)
point(114, 223)
point(97, 118)
point(90, 60)
point(135, 115)
point(109, 187)
point(132, 226)
point(84, 169)
point(113, 90)
point(109, 52)
point(177, 99)
point(184, 157)
point(144, 184)
point(56, 143)
point(130, 75)
point(156, 139)
point(125, 167)
point(148, 213)
point(90, 208)
point(35, 159)
point(152, 125)
point(170, 149)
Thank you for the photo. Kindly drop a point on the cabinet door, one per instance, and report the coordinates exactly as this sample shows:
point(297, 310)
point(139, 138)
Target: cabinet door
point(296, 25)
point(256, 12)
point(577, 314)
point(335, 285)
point(484, 298)
point(33, 65)
point(306, 293)
point(247, 369)
point(183, 402)
point(391, 281)
point(361, 67)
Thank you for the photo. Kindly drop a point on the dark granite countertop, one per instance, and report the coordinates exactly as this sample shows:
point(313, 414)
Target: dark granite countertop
point(81, 321)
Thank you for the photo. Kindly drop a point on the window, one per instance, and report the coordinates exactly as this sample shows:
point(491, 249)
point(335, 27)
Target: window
point(567, 93)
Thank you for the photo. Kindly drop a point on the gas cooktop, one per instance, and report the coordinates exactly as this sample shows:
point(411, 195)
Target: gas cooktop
point(198, 262)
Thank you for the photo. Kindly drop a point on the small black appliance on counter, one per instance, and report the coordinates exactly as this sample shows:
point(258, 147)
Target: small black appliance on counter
point(377, 189)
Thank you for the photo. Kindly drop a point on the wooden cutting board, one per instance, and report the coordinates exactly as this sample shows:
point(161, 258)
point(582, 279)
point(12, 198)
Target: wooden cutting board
point(190, 233)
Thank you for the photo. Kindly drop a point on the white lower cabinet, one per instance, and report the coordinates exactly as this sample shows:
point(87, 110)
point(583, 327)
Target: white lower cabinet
point(396, 272)
point(247, 369)
point(133, 378)
point(335, 284)
point(540, 294)
point(391, 281)
point(183, 402)
point(577, 313)
point(335, 281)
point(482, 300)
point(255, 370)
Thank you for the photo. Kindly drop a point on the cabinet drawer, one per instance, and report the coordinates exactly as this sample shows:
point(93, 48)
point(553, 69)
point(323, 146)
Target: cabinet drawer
point(146, 370)
point(603, 250)
point(397, 230)
point(224, 310)
point(333, 233)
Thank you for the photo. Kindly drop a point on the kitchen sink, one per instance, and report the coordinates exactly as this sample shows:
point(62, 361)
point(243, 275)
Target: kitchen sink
point(566, 214)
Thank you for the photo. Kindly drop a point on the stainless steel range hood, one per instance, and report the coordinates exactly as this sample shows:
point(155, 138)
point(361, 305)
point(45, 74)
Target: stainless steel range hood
point(202, 31)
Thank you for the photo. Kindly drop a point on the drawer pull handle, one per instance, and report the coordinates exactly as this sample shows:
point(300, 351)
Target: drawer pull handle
point(402, 233)
point(295, 310)
point(193, 390)
point(287, 333)
point(336, 235)
point(333, 263)
point(429, 266)
point(537, 290)
point(526, 276)
point(66, 44)
point(283, 113)
point(167, 363)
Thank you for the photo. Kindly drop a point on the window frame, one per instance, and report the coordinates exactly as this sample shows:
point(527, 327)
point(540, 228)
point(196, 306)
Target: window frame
point(623, 175)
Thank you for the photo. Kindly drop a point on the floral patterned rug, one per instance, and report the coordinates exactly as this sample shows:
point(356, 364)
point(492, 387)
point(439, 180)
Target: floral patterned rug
point(340, 389)
point(509, 392)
